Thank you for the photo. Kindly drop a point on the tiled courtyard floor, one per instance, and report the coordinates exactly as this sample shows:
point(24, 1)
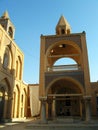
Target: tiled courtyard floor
point(15, 125)
point(32, 125)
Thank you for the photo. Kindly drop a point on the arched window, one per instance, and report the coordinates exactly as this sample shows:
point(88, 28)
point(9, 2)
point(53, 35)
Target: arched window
point(68, 31)
point(65, 64)
point(16, 68)
point(62, 31)
point(10, 32)
point(65, 61)
point(20, 67)
point(6, 60)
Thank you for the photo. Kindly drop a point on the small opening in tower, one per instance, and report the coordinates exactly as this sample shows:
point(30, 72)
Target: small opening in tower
point(62, 31)
point(10, 31)
point(68, 31)
point(62, 45)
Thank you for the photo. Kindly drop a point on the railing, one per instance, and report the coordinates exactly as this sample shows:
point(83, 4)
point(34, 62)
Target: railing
point(64, 68)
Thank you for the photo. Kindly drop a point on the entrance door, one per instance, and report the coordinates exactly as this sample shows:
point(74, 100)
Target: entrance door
point(63, 106)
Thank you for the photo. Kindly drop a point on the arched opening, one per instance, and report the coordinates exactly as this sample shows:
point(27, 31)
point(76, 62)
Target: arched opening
point(16, 102)
point(7, 60)
point(68, 31)
point(63, 49)
point(25, 103)
point(5, 95)
point(62, 31)
point(65, 61)
point(10, 32)
point(18, 68)
point(65, 64)
point(64, 99)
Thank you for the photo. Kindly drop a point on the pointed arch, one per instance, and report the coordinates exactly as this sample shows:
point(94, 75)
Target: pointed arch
point(5, 94)
point(23, 103)
point(18, 67)
point(10, 32)
point(8, 58)
point(16, 101)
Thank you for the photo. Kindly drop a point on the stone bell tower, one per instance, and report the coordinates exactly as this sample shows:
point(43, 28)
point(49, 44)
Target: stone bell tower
point(64, 89)
point(63, 27)
point(7, 24)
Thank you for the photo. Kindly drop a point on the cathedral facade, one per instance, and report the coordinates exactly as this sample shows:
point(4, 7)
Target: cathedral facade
point(13, 91)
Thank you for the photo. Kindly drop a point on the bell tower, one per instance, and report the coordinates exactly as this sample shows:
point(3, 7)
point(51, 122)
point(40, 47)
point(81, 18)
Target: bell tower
point(64, 86)
point(63, 27)
point(7, 24)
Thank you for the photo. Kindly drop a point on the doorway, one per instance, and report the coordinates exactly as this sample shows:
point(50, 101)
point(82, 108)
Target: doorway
point(63, 106)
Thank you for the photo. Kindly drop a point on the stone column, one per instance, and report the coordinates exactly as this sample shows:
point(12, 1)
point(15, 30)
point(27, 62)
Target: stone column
point(82, 109)
point(43, 109)
point(9, 107)
point(50, 101)
point(53, 109)
point(80, 101)
point(88, 108)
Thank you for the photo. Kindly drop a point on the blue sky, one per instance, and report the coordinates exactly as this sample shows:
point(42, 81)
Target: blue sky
point(35, 17)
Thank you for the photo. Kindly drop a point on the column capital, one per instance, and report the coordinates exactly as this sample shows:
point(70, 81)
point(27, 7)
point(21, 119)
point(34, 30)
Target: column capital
point(87, 97)
point(43, 98)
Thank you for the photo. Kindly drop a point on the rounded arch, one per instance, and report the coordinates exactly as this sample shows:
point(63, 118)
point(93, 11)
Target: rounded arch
point(67, 79)
point(65, 61)
point(67, 42)
point(70, 46)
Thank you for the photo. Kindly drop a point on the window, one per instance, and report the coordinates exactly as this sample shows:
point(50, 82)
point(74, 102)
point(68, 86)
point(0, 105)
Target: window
point(10, 32)
point(62, 31)
point(6, 61)
point(68, 31)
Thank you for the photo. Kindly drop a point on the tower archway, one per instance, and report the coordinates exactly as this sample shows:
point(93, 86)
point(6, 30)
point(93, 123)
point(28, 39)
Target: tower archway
point(64, 96)
point(63, 49)
point(5, 99)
